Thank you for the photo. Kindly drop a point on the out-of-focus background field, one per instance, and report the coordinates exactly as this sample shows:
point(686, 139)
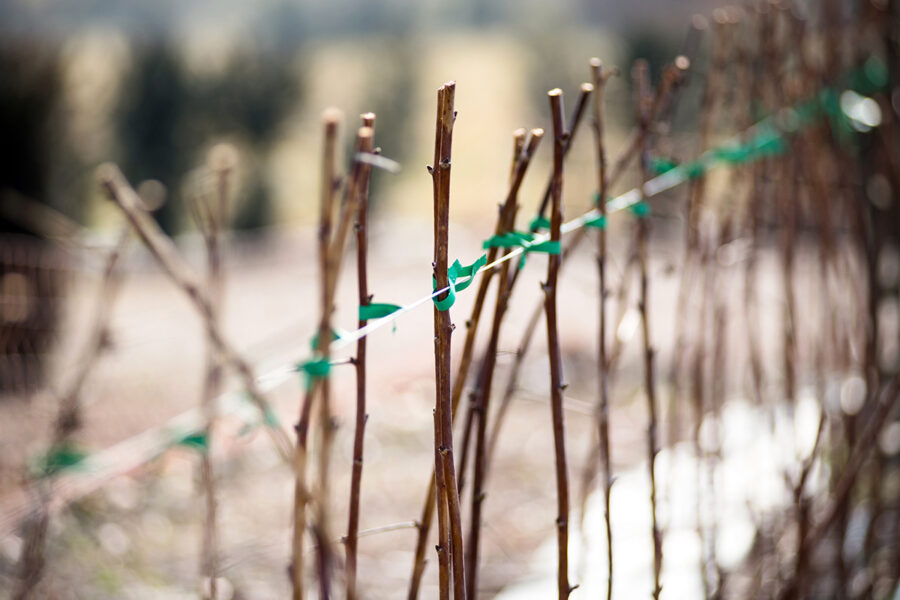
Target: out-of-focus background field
point(154, 87)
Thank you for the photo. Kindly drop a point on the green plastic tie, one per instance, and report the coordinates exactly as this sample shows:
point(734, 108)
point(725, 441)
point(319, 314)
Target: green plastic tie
point(521, 239)
point(547, 247)
point(377, 311)
point(510, 239)
point(640, 209)
point(314, 342)
point(539, 223)
point(734, 154)
point(58, 459)
point(662, 165)
point(876, 72)
point(270, 418)
point(598, 222)
point(468, 271)
point(197, 440)
point(695, 169)
point(446, 303)
point(314, 369)
point(871, 77)
point(806, 112)
point(768, 143)
point(456, 271)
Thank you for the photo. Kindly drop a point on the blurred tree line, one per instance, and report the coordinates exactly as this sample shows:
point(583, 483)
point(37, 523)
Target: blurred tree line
point(167, 116)
point(30, 88)
point(29, 91)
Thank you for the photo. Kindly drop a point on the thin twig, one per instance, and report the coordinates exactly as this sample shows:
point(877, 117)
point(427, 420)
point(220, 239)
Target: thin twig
point(519, 136)
point(699, 263)
point(211, 228)
point(665, 94)
point(33, 561)
point(327, 187)
point(481, 408)
point(163, 251)
point(443, 546)
point(574, 123)
point(560, 135)
point(644, 115)
point(459, 384)
point(669, 83)
point(528, 334)
point(840, 495)
point(335, 253)
point(443, 329)
point(505, 223)
point(362, 244)
point(584, 94)
point(332, 241)
point(599, 80)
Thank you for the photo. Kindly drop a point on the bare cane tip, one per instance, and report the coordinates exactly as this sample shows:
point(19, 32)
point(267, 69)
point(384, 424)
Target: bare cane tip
point(367, 116)
point(735, 14)
point(587, 88)
point(107, 173)
point(596, 62)
point(332, 115)
point(537, 132)
point(520, 132)
point(699, 22)
point(682, 62)
point(555, 92)
point(720, 16)
point(223, 157)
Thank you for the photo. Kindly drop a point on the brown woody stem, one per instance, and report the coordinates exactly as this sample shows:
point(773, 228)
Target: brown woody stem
point(32, 563)
point(443, 329)
point(212, 231)
point(575, 121)
point(645, 111)
point(481, 407)
point(462, 370)
point(560, 135)
point(302, 494)
point(599, 79)
point(362, 244)
point(163, 251)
